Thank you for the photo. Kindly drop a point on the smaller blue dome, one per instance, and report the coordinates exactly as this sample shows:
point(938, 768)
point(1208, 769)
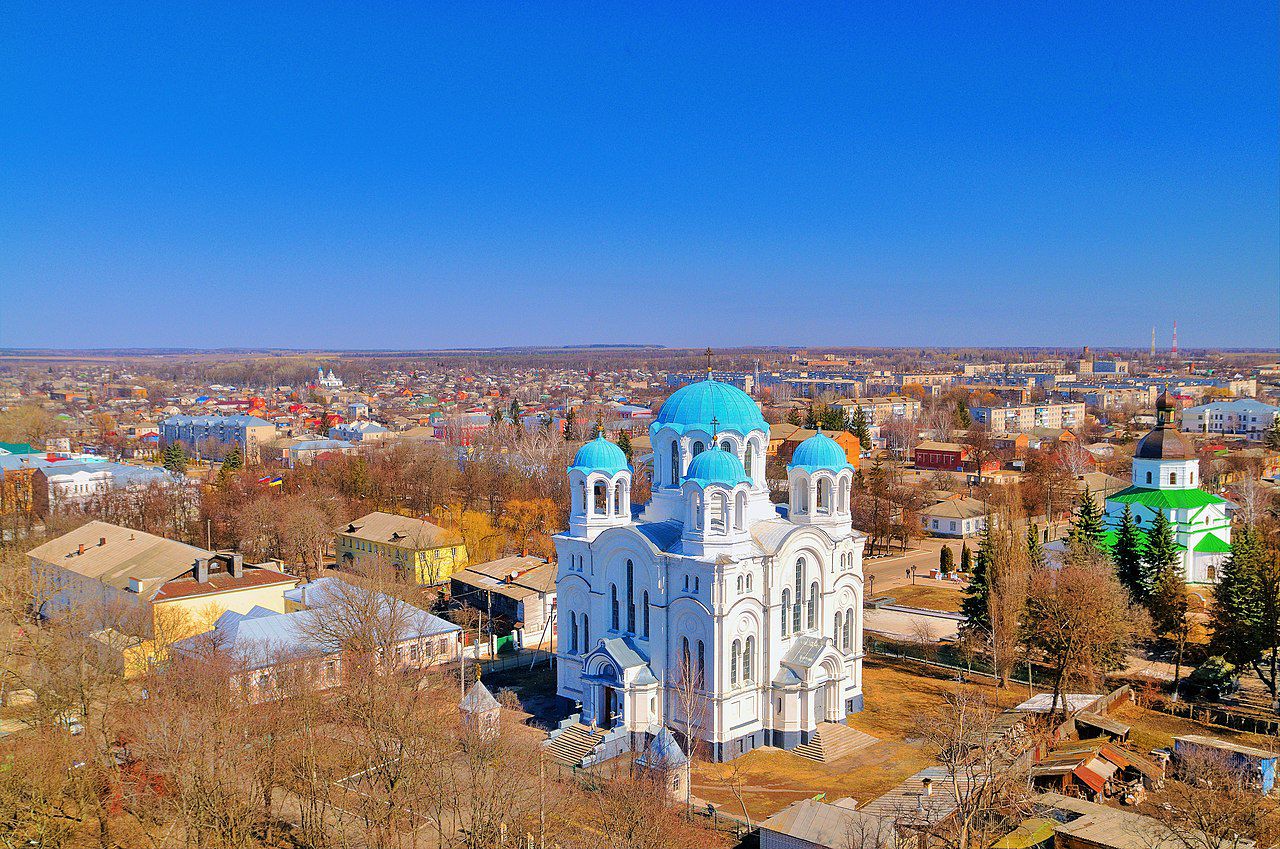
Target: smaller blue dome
point(819, 452)
point(716, 465)
point(600, 455)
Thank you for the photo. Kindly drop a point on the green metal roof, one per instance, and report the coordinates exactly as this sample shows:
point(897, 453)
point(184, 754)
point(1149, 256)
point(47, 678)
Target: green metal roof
point(1212, 544)
point(17, 448)
point(1109, 539)
point(1166, 499)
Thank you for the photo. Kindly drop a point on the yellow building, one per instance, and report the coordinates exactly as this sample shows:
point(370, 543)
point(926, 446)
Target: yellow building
point(423, 552)
point(140, 593)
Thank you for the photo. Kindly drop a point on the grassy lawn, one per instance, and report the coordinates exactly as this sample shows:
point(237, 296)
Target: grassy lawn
point(1155, 730)
point(934, 595)
point(897, 698)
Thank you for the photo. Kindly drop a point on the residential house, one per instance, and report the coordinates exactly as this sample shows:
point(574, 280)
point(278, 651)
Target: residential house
point(152, 589)
point(1246, 417)
point(268, 646)
point(424, 552)
point(940, 456)
point(517, 594)
point(956, 516)
point(813, 824)
point(359, 431)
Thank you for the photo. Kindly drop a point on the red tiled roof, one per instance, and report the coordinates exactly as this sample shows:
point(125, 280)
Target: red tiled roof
point(187, 586)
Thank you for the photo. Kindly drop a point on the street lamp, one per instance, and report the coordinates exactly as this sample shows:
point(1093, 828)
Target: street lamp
point(871, 579)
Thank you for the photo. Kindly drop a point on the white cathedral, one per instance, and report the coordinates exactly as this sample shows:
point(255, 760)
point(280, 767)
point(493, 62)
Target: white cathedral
point(710, 599)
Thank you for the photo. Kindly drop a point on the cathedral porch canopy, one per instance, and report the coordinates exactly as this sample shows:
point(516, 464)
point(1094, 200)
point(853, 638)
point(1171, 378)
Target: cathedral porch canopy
point(616, 663)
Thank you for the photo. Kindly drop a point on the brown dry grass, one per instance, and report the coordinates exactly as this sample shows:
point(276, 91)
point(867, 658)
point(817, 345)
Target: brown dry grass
point(1152, 729)
point(898, 696)
point(934, 595)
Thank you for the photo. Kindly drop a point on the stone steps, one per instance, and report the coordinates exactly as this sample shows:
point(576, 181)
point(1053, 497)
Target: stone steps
point(832, 741)
point(574, 744)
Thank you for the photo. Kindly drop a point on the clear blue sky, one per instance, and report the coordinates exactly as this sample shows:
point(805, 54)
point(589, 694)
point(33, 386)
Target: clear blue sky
point(372, 175)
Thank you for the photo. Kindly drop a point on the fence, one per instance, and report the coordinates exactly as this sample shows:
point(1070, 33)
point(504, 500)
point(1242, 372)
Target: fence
point(945, 657)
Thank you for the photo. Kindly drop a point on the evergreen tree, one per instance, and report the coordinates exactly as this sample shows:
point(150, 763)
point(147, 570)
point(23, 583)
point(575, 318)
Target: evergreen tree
point(513, 412)
point(570, 425)
point(233, 459)
point(975, 605)
point(1127, 555)
point(174, 458)
point(832, 418)
point(946, 560)
point(1035, 551)
point(858, 427)
point(811, 419)
point(1087, 525)
point(793, 416)
point(624, 442)
point(1159, 553)
point(1271, 437)
point(1238, 603)
point(966, 557)
point(495, 415)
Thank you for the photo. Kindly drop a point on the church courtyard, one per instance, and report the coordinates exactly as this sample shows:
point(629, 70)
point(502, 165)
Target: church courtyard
point(769, 779)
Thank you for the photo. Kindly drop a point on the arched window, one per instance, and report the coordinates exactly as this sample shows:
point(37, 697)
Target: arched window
point(719, 513)
point(646, 614)
point(631, 598)
point(811, 618)
point(748, 582)
point(726, 445)
point(586, 633)
point(582, 497)
point(846, 638)
point(824, 496)
point(702, 665)
point(839, 619)
point(617, 499)
point(698, 448)
point(749, 660)
point(842, 503)
point(696, 504)
point(802, 496)
point(686, 661)
point(786, 604)
point(1173, 478)
point(1148, 477)
point(740, 511)
point(739, 585)
point(573, 633)
point(613, 606)
point(601, 499)
point(733, 661)
point(795, 605)
point(675, 463)
point(748, 460)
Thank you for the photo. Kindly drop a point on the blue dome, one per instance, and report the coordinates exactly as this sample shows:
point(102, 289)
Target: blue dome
point(819, 452)
point(692, 407)
point(716, 465)
point(600, 455)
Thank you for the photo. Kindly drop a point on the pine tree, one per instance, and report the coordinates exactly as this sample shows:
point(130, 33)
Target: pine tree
point(570, 425)
point(1035, 551)
point(233, 459)
point(1159, 553)
point(811, 419)
point(975, 605)
point(1087, 526)
point(1271, 437)
point(1237, 611)
point(624, 442)
point(966, 557)
point(832, 418)
point(174, 458)
point(1126, 554)
point(513, 412)
point(858, 427)
point(946, 560)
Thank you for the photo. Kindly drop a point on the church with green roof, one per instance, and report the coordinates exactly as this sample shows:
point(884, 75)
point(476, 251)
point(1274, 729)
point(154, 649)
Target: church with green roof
point(1166, 479)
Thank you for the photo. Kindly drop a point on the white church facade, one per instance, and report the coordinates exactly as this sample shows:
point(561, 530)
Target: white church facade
point(710, 610)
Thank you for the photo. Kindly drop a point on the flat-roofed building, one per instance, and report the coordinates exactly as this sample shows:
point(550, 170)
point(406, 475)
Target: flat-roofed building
point(1024, 418)
point(211, 437)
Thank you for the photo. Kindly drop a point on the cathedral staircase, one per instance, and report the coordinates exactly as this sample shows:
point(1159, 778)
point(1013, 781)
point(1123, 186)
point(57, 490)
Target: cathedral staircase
point(832, 741)
point(572, 744)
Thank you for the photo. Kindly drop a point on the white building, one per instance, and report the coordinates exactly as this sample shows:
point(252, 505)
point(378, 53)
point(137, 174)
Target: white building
point(1245, 417)
point(710, 610)
point(1166, 479)
point(328, 381)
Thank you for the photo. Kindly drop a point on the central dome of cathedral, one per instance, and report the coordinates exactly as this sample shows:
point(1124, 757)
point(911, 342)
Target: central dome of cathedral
point(693, 407)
